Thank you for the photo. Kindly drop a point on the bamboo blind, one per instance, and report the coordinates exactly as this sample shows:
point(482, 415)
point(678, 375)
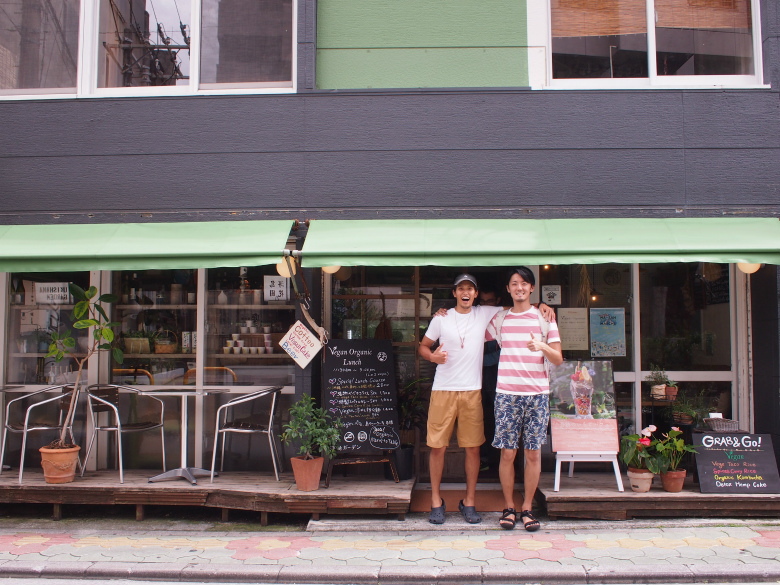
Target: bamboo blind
point(583, 18)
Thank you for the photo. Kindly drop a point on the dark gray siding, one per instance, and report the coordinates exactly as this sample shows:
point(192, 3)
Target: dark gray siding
point(398, 154)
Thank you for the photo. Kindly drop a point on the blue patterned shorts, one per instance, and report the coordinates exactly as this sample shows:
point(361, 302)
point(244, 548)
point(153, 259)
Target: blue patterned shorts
point(518, 415)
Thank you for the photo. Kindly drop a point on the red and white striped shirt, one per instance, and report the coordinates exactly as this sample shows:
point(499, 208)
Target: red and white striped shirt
point(521, 371)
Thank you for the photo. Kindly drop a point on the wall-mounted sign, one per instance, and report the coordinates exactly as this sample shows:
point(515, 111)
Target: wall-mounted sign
point(51, 293)
point(277, 288)
point(608, 332)
point(301, 344)
point(551, 294)
point(573, 328)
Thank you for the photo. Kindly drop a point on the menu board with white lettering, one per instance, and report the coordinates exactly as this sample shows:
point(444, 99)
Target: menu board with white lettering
point(359, 389)
point(736, 463)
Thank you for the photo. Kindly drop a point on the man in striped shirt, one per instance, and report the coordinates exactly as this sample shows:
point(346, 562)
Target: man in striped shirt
point(522, 407)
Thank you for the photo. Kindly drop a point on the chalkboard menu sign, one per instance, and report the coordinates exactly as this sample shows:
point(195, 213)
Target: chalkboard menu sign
point(736, 463)
point(359, 388)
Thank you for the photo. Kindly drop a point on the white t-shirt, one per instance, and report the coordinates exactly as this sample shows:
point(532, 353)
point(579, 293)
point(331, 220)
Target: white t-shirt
point(463, 370)
point(520, 370)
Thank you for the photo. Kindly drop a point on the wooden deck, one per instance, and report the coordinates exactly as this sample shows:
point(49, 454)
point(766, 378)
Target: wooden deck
point(230, 491)
point(595, 496)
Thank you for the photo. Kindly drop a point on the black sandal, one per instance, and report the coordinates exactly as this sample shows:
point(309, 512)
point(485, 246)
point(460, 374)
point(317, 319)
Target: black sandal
point(506, 522)
point(533, 524)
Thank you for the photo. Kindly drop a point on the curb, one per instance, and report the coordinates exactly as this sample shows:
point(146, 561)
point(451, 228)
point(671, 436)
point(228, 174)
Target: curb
point(414, 575)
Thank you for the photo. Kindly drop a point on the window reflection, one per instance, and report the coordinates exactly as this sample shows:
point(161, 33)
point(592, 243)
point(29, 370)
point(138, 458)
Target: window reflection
point(704, 37)
point(143, 44)
point(38, 44)
point(685, 316)
point(599, 38)
point(247, 41)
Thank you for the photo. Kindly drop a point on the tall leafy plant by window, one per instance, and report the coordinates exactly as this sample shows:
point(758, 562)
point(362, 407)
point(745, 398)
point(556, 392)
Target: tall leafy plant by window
point(88, 312)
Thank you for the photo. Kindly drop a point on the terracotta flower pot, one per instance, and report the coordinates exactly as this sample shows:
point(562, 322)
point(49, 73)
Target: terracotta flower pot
point(640, 479)
point(671, 392)
point(59, 465)
point(307, 473)
point(673, 480)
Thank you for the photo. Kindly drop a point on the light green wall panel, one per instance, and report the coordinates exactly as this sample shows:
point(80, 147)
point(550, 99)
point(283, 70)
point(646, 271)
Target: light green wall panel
point(420, 23)
point(398, 68)
point(421, 43)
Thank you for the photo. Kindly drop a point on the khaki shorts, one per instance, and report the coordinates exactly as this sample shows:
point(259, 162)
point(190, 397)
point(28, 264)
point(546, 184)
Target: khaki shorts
point(445, 408)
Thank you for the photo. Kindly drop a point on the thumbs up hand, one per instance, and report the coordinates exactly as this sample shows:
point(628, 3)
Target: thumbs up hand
point(534, 344)
point(439, 356)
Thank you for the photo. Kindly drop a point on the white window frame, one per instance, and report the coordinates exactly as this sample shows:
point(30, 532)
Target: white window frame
point(86, 83)
point(653, 80)
point(741, 383)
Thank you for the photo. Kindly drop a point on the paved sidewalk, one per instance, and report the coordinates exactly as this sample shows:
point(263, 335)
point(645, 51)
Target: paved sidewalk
point(381, 550)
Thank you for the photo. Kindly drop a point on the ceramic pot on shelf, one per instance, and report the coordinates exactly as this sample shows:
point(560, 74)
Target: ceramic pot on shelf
point(673, 480)
point(640, 479)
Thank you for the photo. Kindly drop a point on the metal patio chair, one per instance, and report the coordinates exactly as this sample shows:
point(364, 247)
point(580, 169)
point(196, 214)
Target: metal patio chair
point(30, 424)
point(105, 398)
point(262, 422)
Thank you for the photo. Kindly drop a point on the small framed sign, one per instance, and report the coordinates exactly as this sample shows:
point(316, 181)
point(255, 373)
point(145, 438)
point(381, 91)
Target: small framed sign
point(277, 288)
point(301, 344)
point(51, 293)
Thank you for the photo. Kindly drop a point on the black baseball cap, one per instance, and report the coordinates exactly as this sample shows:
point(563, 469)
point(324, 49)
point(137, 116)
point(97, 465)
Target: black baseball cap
point(461, 277)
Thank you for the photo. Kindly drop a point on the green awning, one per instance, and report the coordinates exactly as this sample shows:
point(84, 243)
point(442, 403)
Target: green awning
point(505, 242)
point(141, 246)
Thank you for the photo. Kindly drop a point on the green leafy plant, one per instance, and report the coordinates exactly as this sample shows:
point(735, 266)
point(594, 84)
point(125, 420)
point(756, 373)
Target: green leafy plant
point(88, 312)
point(411, 405)
point(318, 432)
point(640, 451)
point(672, 448)
point(658, 377)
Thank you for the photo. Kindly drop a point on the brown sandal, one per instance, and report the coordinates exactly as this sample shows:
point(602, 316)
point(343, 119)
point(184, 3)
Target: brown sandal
point(533, 524)
point(508, 519)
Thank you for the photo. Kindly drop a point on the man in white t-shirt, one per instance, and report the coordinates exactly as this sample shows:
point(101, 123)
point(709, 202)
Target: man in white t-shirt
point(457, 391)
point(522, 406)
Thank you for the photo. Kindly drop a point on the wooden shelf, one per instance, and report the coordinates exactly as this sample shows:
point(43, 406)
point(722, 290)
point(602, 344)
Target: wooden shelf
point(35, 354)
point(254, 307)
point(139, 308)
point(160, 356)
point(255, 356)
point(50, 306)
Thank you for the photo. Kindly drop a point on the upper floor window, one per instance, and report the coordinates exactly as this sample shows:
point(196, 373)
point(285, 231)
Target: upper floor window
point(667, 41)
point(141, 47)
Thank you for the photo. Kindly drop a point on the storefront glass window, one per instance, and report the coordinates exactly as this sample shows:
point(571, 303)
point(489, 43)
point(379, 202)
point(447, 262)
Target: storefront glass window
point(581, 290)
point(39, 305)
point(248, 310)
point(685, 316)
point(157, 312)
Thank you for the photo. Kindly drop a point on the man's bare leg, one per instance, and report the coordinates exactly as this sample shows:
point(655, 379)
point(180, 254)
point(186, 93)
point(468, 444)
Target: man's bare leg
point(533, 469)
point(472, 472)
point(436, 469)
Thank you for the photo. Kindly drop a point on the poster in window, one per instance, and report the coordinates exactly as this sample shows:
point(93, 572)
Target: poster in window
point(608, 332)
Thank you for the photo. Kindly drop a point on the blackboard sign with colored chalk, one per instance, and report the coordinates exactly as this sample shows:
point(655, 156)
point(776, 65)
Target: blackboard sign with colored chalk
point(736, 463)
point(359, 388)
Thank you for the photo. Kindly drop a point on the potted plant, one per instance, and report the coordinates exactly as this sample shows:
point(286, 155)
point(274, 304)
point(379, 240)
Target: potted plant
point(411, 414)
point(140, 341)
point(671, 449)
point(87, 313)
point(685, 410)
point(639, 453)
point(658, 381)
point(318, 433)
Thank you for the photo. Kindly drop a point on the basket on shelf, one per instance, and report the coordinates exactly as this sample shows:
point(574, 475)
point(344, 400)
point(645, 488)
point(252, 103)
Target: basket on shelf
point(166, 344)
point(658, 391)
point(137, 345)
point(722, 425)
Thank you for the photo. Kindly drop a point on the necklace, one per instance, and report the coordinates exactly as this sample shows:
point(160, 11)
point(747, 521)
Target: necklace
point(466, 330)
